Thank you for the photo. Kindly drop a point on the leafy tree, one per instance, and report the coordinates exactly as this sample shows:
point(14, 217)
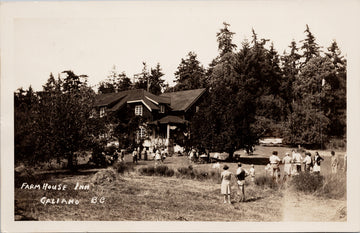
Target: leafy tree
point(310, 120)
point(190, 73)
point(61, 123)
point(229, 109)
point(25, 127)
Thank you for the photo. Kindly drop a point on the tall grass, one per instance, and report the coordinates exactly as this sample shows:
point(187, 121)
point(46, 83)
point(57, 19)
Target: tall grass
point(266, 181)
point(181, 172)
point(334, 186)
point(329, 186)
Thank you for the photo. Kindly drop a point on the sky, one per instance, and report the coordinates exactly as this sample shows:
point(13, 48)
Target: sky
point(92, 37)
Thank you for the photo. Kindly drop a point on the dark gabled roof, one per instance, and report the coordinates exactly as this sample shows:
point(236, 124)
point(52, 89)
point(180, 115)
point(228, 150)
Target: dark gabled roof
point(117, 100)
point(183, 100)
point(169, 119)
point(109, 98)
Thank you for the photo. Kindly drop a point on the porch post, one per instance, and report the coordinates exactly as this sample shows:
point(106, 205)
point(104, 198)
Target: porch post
point(168, 131)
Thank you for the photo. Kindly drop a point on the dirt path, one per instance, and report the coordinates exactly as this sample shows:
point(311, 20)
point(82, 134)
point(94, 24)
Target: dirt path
point(306, 208)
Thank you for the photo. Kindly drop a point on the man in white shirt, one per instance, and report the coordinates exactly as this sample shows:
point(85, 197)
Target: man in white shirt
point(287, 165)
point(274, 163)
point(297, 158)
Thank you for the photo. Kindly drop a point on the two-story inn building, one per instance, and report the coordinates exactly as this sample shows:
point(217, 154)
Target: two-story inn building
point(165, 117)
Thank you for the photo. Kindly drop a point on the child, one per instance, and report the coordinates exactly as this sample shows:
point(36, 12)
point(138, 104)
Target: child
point(252, 173)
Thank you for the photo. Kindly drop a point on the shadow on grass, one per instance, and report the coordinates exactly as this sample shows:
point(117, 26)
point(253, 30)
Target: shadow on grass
point(253, 199)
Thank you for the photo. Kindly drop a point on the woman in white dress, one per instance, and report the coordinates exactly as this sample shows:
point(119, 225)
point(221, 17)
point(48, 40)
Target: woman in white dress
point(317, 161)
point(225, 184)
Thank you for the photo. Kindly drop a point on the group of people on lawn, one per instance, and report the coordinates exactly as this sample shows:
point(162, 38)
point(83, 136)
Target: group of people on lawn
point(159, 155)
point(292, 166)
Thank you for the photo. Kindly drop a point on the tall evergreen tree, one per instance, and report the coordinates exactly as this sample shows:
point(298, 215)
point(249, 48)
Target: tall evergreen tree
point(156, 84)
point(190, 73)
point(310, 48)
point(224, 38)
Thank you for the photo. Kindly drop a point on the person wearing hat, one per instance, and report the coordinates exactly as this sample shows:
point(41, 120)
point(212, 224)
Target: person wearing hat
point(308, 162)
point(274, 163)
point(241, 173)
point(225, 184)
point(287, 165)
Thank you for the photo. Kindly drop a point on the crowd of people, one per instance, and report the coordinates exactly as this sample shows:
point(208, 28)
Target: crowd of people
point(292, 166)
point(158, 154)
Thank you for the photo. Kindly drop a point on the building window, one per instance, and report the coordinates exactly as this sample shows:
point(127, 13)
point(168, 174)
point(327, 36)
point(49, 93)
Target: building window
point(197, 109)
point(141, 133)
point(102, 111)
point(138, 110)
point(162, 109)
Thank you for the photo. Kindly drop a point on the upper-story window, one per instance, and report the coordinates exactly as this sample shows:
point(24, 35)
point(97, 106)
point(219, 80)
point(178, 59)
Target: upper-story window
point(138, 110)
point(102, 111)
point(162, 108)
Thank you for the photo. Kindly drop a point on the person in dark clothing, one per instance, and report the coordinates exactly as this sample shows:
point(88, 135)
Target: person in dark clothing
point(241, 173)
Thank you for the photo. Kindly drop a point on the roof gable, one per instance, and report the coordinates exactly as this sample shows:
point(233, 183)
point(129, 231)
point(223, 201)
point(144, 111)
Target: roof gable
point(116, 100)
point(183, 100)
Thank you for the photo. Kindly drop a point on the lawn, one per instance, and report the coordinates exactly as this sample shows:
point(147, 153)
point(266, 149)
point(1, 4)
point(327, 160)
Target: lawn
point(134, 197)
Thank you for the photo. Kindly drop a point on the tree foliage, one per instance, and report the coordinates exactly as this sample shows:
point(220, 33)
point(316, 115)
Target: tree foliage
point(57, 121)
point(115, 82)
point(190, 74)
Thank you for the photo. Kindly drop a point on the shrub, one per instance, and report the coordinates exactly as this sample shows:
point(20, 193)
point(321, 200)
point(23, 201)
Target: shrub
point(186, 172)
point(307, 182)
point(121, 167)
point(161, 170)
point(104, 176)
point(266, 181)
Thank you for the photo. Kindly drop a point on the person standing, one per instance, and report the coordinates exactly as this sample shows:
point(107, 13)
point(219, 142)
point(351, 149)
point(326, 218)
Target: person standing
point(297, 158)
point(135, 156)
point(334, 162)
point(274, 163)
point(139, 152)
point(241, 173)
point(317, 161)
point(308, 162)
point(287, 165)
point(225, 184)
point(157, 157)
point(252, 173)
point(122, 155)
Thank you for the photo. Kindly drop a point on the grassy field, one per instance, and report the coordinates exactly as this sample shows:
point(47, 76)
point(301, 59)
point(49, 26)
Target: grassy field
point(135, 197)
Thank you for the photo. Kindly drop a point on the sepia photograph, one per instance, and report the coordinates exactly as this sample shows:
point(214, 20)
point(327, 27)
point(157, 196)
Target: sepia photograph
point(179, 116)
